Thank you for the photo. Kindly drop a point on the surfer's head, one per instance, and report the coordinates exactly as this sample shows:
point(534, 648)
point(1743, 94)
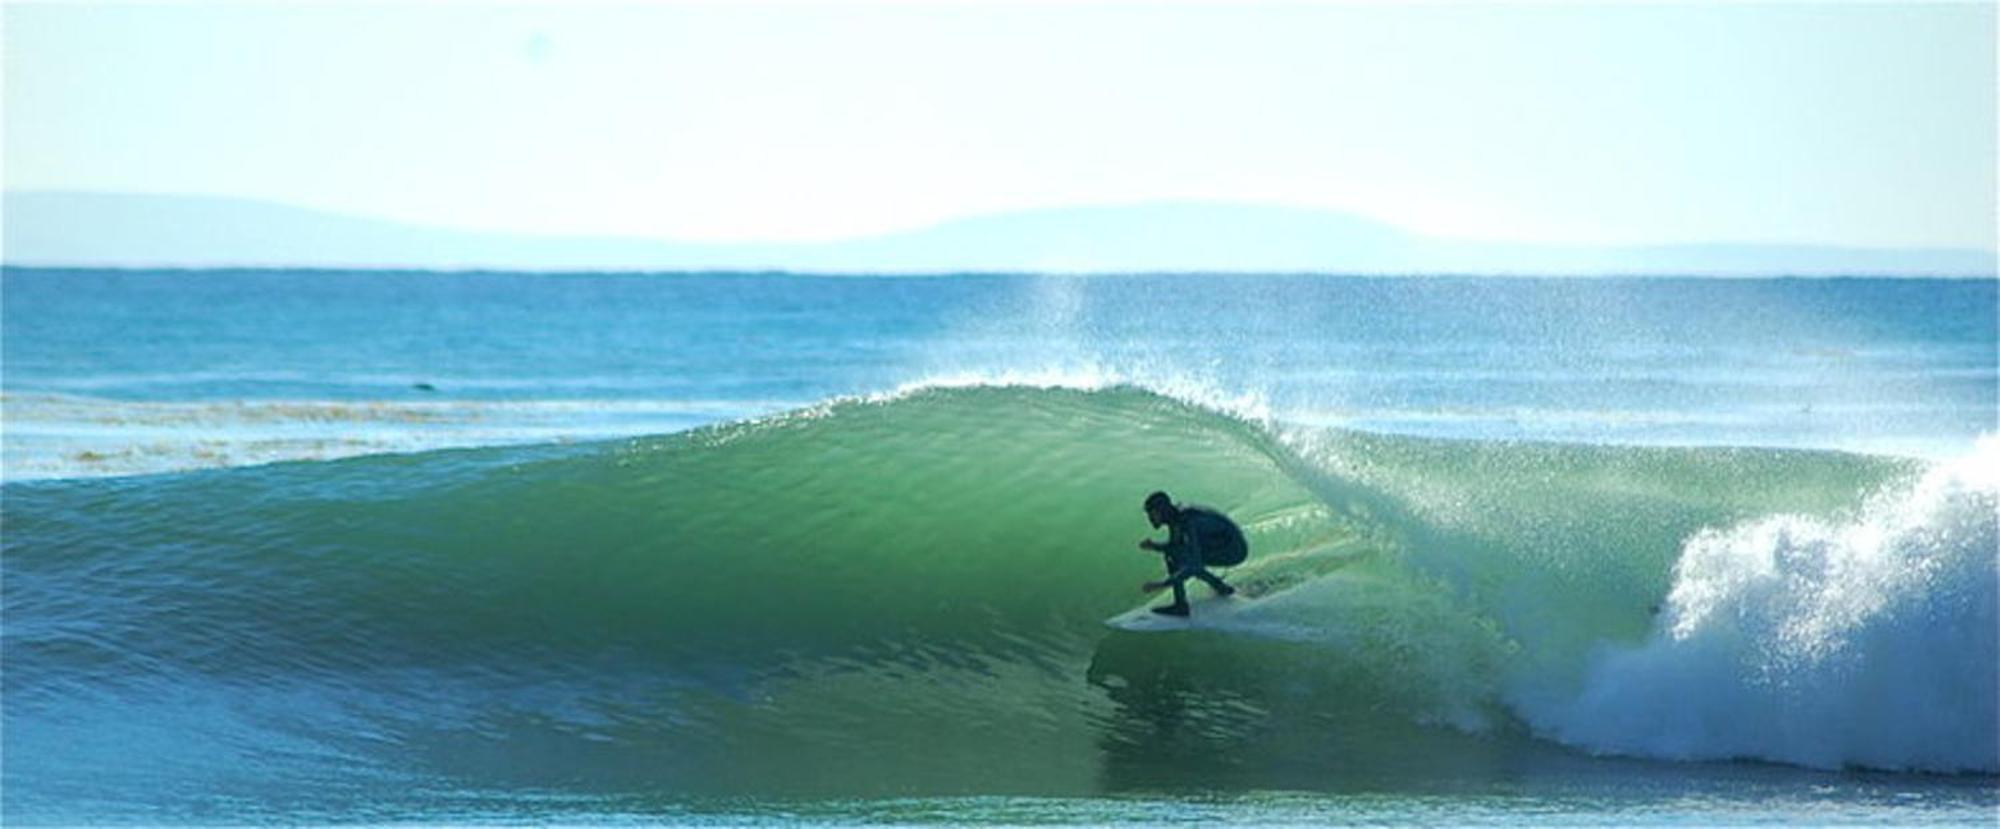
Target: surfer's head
point(1159, 508)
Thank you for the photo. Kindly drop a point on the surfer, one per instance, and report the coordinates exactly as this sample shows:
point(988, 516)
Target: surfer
point(1196, 537)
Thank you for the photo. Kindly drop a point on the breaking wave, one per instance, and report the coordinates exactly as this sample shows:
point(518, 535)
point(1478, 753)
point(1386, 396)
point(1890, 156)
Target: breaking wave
point(905, 593)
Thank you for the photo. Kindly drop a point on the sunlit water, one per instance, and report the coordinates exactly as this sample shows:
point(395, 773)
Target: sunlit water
point(829, 551)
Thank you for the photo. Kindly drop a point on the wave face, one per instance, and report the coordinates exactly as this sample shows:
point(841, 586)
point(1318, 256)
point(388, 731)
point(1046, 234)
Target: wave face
point(905, 595)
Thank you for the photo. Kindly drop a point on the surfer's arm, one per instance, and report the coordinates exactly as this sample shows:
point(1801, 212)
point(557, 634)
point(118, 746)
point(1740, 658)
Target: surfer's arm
point(1171, 580)
point(1190, 559)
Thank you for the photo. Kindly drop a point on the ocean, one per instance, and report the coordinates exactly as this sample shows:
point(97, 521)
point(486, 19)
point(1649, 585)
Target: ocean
point(285, 547)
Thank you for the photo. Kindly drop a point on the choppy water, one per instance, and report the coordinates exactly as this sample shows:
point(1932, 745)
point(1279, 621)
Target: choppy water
point(864, 580)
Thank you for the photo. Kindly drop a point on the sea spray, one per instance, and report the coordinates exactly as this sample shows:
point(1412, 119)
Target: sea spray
point(1868, 641)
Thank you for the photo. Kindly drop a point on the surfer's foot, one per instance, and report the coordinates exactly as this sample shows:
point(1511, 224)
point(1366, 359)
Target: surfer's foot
point(1224, 590)
point(1171, 610)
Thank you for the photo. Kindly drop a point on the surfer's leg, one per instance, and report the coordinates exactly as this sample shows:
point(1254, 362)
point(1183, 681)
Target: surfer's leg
point(1214, 582)
point(1180, 605)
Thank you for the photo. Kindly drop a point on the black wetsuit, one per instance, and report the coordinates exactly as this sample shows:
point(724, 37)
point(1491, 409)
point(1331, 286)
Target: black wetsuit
point(1197, 537)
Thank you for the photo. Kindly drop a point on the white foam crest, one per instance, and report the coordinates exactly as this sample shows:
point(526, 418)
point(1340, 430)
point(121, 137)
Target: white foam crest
point(1095, 376)
point(1863, 642)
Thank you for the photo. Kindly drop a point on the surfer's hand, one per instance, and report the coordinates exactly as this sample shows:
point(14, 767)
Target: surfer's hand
point(1150, 586)
point(1148, 544)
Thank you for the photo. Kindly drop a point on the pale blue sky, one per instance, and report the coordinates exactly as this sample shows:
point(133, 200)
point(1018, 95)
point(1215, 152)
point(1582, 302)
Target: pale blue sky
point(1813, 123)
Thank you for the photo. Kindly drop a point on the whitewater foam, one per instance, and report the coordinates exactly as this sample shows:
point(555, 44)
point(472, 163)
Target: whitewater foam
point(1867, 642)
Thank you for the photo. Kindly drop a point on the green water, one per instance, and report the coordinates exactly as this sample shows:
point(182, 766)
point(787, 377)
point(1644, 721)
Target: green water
point(890, 610)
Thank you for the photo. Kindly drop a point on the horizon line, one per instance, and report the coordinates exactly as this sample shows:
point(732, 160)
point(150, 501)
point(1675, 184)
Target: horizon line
point(781, 273)
point(1224, 204)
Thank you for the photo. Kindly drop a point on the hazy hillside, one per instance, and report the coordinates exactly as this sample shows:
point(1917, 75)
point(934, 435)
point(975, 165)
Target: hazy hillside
point(78, 229)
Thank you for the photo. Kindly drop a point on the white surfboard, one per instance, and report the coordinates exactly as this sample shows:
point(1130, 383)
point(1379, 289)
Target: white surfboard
point(1202, 612)
point(1263, 579)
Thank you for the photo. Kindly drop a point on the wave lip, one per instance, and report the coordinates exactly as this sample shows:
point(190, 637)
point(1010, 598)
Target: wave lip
point(1868, 642)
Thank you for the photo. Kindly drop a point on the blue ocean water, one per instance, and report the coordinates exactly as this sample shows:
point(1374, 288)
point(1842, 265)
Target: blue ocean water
point(736, 548)
point(118, 372)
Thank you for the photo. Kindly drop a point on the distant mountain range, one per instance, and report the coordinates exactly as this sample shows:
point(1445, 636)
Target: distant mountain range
point(138, 231)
